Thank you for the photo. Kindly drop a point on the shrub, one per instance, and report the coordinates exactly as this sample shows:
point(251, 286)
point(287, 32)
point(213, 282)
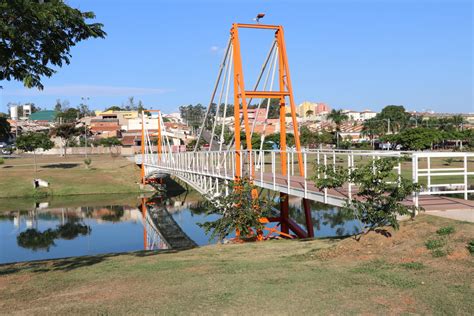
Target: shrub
point(447, 230)
point(239, 211)
point(87, 162)
point(434, 244)
point(470, 247)
point(2, 161)
point(413, 265)
point(439, 253)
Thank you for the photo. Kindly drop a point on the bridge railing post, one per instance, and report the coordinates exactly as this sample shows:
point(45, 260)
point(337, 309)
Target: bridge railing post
point(465, 177)
point(325, 160)
point(273, 170)
point(415, 177)
point(305, 160)
point(288, 160)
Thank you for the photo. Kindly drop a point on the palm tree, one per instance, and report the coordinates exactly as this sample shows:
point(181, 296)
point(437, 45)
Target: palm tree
point(458, 121)
point(337, 116)
point(309, 113)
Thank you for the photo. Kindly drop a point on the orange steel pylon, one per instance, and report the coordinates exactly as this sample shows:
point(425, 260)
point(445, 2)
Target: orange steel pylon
point(285, 91)
point(143, 139)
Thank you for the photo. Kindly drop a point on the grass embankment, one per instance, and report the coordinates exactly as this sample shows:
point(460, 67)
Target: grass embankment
point(68, 176)
point(377, 275)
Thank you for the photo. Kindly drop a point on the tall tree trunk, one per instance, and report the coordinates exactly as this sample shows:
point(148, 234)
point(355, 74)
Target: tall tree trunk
point(34, 157)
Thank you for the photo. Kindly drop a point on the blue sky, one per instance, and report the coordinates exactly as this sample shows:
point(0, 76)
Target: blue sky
point(349, 54)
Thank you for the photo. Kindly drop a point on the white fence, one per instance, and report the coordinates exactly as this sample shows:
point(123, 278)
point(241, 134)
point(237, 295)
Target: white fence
point(437, 172)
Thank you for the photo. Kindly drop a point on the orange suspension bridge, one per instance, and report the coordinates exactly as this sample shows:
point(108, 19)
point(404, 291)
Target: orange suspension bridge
point(289, 171)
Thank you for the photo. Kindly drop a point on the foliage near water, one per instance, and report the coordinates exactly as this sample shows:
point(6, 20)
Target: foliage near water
point(378, 200)
point(36, 240)
point(376, 275)
point(239, 211)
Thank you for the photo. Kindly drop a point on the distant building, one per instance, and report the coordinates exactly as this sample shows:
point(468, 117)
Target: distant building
point(47, 116)
point(310, 109)
point(121, 116)
point(105, 127)
point(367, 115)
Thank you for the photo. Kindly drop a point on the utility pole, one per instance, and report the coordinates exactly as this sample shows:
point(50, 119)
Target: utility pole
point(85, 99)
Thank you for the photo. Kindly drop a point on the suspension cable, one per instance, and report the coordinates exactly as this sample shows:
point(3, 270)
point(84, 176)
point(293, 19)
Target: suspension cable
point(221, 68)
point(220, 100)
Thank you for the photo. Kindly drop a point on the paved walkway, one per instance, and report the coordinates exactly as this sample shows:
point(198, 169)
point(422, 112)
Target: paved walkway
point(460, 215)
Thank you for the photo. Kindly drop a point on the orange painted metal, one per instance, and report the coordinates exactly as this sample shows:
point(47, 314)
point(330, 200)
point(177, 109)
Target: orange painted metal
point(285, 90)
point(145, 239)
point(257, 26)
point(143, 150)
point(267, 94)
point(239, 98)
point(158, 143)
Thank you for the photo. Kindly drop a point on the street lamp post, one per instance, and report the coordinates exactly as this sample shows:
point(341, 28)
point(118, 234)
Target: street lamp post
point(85, 99)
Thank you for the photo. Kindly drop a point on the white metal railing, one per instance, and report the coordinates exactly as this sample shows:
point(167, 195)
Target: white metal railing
point(448, 179)
point(264, 167)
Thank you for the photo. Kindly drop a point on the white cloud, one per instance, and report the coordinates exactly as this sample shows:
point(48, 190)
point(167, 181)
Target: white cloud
point(85, 90)
point(214, 49)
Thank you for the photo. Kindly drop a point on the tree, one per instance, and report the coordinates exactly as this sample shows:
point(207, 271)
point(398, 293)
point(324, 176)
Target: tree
point(69, 115)
point(41, 38)
point(66, 132)
point(32, 141)
point(309, 113)
point(239, 211)
point(274, 108)
point(112, 143)
point(396, 116)
point(114, 108)
point(419, 138)
point(338, 117)
point(130, 104)
point(4, 127)
point(378, 201)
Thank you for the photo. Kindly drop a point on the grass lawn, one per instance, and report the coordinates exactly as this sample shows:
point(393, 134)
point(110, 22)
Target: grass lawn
point(68, 176)
point(378, 275)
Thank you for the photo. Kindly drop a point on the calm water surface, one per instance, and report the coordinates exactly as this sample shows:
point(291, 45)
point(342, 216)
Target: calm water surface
point(97, 225)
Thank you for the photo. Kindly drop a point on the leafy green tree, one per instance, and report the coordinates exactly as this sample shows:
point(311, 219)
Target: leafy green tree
point(69, 115)
point(378, 201)
point(396, 116)
point(274, 108)
point(110, 142)
point(4, 127)
point(309, 113)
point(419, 138)
point(32, 141)
point(66, 132)
point(238, 211)
point(37, 35)
point(114, 108)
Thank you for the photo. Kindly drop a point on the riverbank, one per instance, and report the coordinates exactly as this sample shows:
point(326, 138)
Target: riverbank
point(68, 176)
point(377, 275)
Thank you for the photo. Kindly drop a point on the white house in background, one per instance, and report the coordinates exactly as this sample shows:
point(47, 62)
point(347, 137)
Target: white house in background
point(367, 115)
point(174, 117)
point(353, 115)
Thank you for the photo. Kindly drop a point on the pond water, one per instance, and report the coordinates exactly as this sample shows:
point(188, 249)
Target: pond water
point(91, 225)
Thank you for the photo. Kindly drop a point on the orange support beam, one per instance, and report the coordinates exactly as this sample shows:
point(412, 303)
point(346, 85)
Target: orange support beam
point(285, 91)
point(143, 149)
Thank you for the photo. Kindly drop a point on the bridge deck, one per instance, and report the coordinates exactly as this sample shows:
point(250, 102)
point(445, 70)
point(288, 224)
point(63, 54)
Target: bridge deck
point(429, 203)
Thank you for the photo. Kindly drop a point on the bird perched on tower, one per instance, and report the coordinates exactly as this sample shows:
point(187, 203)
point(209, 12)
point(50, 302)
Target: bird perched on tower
point(259, 16)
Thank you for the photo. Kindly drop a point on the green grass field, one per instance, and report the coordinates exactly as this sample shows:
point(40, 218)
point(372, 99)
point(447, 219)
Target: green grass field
point(377, 275)
point(68, 176)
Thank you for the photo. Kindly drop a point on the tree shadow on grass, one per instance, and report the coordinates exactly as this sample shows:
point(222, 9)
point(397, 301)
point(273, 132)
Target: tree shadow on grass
point(7, 167)
point(61, 166)
point(72, 263)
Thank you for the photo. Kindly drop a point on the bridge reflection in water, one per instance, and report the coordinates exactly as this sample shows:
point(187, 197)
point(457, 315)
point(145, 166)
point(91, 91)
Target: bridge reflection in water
point(160, 229)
